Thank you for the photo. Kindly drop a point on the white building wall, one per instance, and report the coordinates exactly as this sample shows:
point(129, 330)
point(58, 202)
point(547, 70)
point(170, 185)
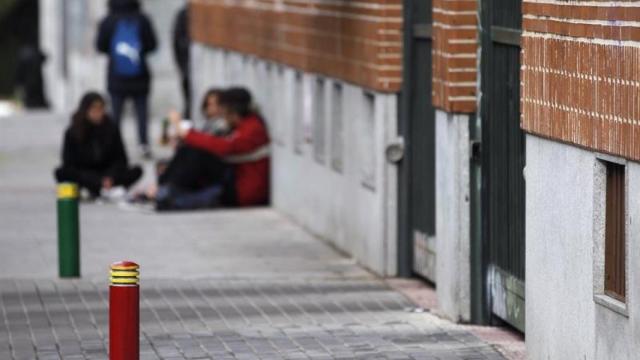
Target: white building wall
point(565, 237)
point(452, 215)
point(329, 172)
point(86, 69)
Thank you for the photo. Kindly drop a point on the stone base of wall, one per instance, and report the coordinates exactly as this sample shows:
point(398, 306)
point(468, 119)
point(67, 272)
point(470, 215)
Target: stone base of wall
point(329, 172)
point(565, 189)
point(452, 215)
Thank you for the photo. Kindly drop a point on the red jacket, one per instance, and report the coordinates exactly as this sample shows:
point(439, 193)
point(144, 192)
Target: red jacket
point(251, 178)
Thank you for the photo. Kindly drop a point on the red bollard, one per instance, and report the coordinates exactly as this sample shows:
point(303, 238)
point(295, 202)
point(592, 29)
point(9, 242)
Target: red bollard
point(124, 312)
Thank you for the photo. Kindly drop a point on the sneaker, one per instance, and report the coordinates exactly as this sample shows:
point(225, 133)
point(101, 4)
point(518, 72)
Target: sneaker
point(115, 194)
point(88, 196)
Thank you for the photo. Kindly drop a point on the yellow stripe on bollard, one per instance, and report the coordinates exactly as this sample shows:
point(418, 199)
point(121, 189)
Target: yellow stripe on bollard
point(120, 273)
point(124, 281)
point(67, 191)
point(124, 273)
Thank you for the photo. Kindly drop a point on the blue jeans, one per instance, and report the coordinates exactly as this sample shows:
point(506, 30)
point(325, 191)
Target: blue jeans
point(171, 198)
point(140, 103)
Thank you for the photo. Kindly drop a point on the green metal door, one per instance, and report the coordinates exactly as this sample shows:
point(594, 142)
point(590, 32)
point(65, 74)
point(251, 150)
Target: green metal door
point(503, 160)
point(417, 127)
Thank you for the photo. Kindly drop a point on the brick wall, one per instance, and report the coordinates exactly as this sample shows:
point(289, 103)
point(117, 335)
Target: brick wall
point(581, 74)
point(359, 41)
point(454, 54)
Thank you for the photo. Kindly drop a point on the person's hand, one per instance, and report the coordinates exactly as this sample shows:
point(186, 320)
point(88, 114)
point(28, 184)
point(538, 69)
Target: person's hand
point(151, 191)
point(174, 141)
point(107, 183)
point(174, 117)
point(176, 121)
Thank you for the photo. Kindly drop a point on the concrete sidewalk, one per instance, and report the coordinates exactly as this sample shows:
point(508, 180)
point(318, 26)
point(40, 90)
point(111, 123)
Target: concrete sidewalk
point(239, 244)
point(215, 285)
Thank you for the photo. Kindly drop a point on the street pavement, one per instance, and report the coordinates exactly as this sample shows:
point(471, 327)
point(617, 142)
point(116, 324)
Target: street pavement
point(226, 284)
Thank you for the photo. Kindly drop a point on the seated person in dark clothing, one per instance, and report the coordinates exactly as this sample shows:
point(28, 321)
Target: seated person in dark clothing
point(232, 170)
point(93, 155)
point(213, 124)
point(190, 178)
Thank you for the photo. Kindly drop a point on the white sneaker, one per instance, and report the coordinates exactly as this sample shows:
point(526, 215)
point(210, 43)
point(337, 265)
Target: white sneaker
point(85, 195)
point(115, 194)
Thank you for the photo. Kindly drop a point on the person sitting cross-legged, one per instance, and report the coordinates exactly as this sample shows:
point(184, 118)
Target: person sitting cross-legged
point(233, 167)
point(93, 154)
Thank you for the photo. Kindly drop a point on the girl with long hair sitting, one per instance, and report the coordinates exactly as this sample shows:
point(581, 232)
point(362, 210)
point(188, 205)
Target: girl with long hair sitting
point(93, 154)
point(237, 163)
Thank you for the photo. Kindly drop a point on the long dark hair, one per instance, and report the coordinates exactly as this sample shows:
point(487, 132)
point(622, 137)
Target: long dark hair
point(79, 121)
point(124, 6)
point(237, 100)
point(205, 99)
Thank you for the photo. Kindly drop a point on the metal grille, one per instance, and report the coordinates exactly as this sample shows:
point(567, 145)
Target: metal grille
point(615, 274)
point(319, 119)
point(299, 115)
point(503, 160)
point(417, 171)
point(422, 133)
point(503, 142)
point(337, 141)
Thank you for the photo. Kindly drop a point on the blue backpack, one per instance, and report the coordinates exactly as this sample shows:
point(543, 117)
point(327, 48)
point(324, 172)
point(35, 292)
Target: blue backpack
point(126, 48)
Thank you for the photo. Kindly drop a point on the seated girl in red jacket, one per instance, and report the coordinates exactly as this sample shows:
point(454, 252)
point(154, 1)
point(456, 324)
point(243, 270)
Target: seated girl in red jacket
point(239, 160)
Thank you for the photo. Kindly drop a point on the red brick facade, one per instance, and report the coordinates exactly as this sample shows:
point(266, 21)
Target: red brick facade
point(454, 58)
point(359, 41)
point(580, 77)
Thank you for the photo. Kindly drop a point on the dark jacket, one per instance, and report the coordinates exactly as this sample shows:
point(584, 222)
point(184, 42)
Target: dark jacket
point(182, 41)
point(127, 9)
point(101, 150)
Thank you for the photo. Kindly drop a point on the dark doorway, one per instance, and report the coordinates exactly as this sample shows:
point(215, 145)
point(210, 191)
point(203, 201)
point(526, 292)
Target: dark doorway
point(417, 127)
point(19, 29)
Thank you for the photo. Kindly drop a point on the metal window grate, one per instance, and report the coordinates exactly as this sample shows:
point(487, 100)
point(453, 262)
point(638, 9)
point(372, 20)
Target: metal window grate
point(337, 141)
point(319, 119)
point(299, 124)
point(615, 240)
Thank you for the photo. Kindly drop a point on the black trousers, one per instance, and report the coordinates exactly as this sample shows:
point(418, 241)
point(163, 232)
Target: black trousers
point(192, 170)
point(91, 179)
point(140, 102)
point(186, 96)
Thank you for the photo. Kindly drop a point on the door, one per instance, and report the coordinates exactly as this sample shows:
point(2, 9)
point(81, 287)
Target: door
point(417, 127)
point(503, 160)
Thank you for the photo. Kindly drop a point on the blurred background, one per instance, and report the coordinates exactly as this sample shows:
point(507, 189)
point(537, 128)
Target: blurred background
point(58, 36)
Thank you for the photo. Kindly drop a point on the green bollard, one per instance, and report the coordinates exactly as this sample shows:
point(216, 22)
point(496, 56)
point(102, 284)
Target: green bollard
point(68, 231)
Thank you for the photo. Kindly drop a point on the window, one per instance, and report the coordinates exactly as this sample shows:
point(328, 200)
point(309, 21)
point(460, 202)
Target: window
point(368, 152)
point(615, 239)
point(336, 128)
point(319, 122)
point(268, 106)
point(280, 106)
point(298, 114)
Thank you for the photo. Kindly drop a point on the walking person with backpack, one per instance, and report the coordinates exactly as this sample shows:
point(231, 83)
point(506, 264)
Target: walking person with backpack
point(126, 35)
